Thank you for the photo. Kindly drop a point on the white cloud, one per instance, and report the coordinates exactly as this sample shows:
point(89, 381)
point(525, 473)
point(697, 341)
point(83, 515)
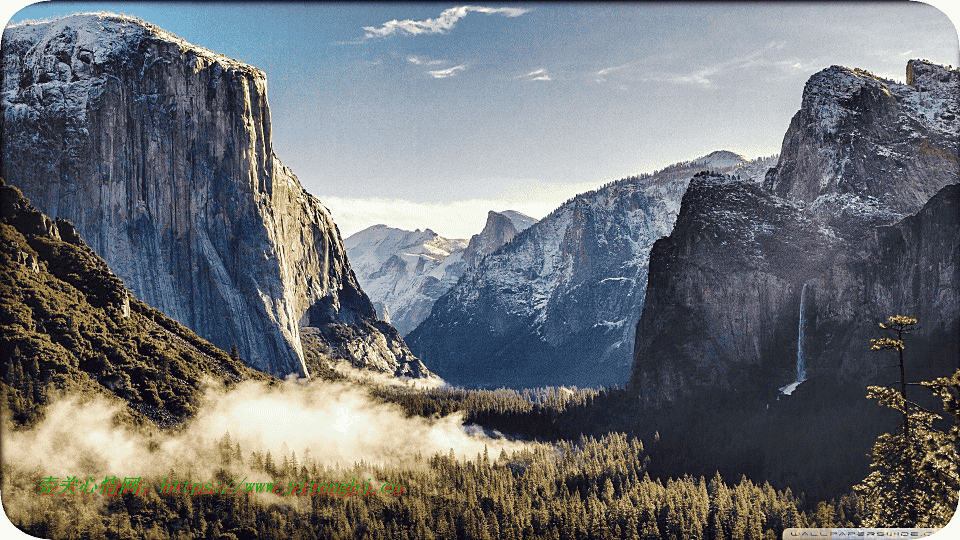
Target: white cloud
point(602, 74)
point(456, 219)
point(419, 61)
point(444, 73)
point(445, 22)
point(699, 77)
point(537, 75)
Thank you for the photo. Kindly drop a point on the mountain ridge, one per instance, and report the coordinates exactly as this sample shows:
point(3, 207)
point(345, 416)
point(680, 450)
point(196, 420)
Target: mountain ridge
point(561, 289)
point(405, 272)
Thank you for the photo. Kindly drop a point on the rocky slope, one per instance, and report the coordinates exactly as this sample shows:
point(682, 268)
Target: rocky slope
point(825, 233)
point(556, 304)
point(860, 137)
point(68, 323)
point(405, 272)
point(160, 152)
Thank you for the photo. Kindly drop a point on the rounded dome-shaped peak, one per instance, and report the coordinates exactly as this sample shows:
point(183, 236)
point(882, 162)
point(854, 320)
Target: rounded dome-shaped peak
point(721, 158)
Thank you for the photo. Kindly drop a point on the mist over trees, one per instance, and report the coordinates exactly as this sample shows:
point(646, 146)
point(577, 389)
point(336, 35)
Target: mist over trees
point(589, 489)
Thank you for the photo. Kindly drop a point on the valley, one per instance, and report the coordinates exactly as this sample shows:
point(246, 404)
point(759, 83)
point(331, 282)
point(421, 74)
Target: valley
point(682, 353)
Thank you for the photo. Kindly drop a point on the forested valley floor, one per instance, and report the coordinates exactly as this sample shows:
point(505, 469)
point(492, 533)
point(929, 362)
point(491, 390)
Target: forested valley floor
point(589, 488)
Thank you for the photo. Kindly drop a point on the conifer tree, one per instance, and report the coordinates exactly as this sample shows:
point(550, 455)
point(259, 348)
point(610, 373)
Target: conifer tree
point(915, 479)
point(901, 325)
point(893, 455)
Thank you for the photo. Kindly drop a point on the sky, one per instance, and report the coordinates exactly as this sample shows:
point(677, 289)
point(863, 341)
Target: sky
point(429, 115)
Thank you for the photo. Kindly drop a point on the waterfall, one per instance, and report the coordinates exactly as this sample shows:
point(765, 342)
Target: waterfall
point(801, 371)
point(801, 368)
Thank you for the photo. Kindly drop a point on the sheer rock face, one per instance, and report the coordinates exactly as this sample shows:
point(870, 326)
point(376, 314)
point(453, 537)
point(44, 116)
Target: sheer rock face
point(499, 229)
point(557, 303)
point(861, 209)
point(857, 135)
point(160, 153)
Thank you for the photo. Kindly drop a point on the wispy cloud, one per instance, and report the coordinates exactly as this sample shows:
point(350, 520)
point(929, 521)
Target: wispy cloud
point(419, 61)
point(536, 75)
point(444, 73)
point(441, 25)
point(701, 77)
point(705, 76)
point(602, 74)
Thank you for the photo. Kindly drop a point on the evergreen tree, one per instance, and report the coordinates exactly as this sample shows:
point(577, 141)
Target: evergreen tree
point(892, 490)
point(901, 325)
point(942, 452)
point(915, 478)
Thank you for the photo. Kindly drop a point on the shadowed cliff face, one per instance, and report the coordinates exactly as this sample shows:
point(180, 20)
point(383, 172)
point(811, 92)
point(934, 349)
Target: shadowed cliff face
point(160, 152)
point(723, 301)
point(723, 298)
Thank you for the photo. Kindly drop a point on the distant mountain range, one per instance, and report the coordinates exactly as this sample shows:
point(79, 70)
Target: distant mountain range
point(405, 272)
point(557, 303)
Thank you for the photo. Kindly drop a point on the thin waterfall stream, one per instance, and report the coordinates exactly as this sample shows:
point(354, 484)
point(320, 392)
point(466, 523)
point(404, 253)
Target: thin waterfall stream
point(801, 368)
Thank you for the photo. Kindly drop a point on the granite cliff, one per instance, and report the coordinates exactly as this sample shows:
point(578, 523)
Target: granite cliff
point(160, 153)
point(752, 349)
point(830, 230)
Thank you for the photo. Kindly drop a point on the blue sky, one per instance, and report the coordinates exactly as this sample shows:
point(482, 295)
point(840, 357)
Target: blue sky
point(428, 115)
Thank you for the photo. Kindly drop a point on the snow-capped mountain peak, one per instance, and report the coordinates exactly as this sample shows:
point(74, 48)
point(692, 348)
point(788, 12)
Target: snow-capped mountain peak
point(404, 272)
point(721, 159)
